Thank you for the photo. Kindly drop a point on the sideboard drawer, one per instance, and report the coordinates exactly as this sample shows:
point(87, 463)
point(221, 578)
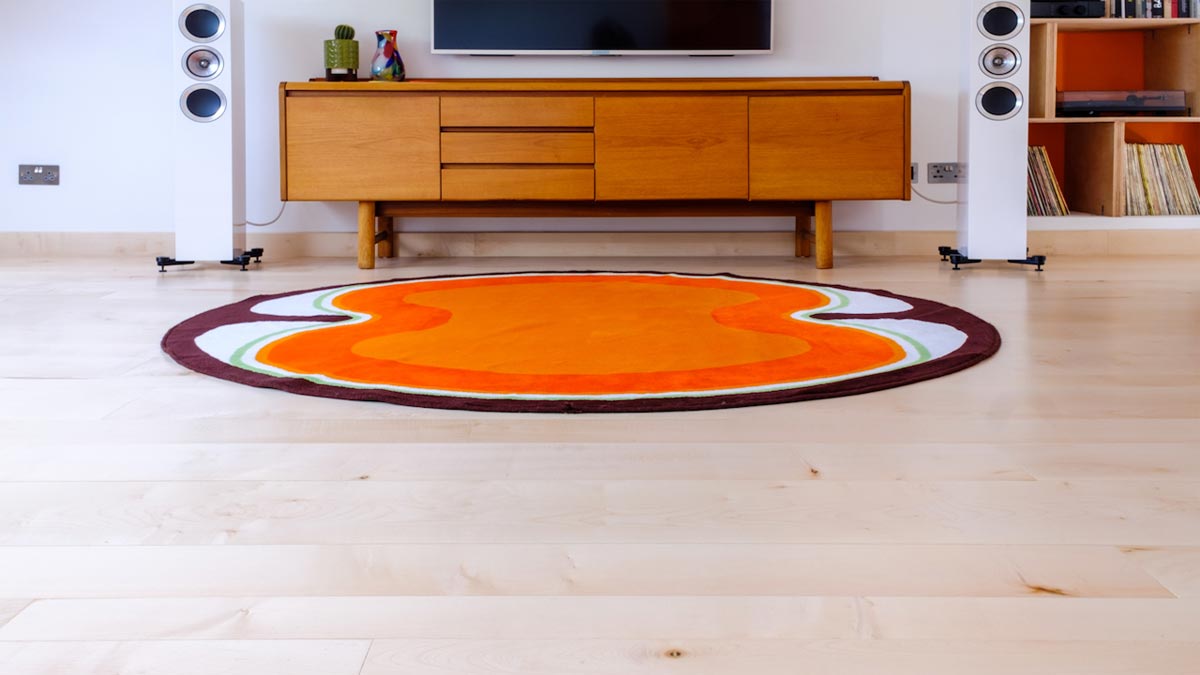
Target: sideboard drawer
point(351, 148)
point(467, 183)
point(829, 147)
point(671, 147)
point(504, 147)
point(517, 111)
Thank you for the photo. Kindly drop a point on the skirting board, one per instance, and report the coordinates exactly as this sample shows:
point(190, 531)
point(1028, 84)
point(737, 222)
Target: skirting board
point(285, 245)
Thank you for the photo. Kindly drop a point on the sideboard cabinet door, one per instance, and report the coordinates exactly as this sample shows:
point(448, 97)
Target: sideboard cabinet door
point(671, 147)
point(362, 148)
point(828, 147)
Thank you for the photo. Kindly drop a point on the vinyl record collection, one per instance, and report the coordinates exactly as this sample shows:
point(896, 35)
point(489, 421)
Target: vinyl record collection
point(1158, 181)
point(1044, 198)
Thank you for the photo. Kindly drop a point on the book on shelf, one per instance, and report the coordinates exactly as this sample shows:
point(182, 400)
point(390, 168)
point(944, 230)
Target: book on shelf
point(1149, 9)
point(1043, 197)
point(1138, 9)
point(1159, 181)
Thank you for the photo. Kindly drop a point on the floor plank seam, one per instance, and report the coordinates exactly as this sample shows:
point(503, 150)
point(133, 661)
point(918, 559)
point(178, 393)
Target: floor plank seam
point(366, 655)
point(10, 619)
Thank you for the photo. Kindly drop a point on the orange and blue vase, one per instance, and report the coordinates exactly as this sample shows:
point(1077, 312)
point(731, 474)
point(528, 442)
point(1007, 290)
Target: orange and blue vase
point(387, 65)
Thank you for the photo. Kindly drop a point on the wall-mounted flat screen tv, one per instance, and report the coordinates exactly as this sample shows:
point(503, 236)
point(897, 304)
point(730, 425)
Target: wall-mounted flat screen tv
point(603, 27)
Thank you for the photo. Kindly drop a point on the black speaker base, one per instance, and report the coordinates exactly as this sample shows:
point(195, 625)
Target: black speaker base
point(1038, 260)
point(951, 255)
point(164, 262)
point(243, 261)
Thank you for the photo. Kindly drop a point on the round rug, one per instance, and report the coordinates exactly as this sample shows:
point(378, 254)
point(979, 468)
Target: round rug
point(582, 341)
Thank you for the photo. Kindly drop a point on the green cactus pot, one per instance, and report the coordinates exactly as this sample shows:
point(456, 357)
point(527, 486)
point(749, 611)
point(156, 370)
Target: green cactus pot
point(341, 60)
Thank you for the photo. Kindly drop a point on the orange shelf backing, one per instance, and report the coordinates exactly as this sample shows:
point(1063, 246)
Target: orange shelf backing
point(1101, 61)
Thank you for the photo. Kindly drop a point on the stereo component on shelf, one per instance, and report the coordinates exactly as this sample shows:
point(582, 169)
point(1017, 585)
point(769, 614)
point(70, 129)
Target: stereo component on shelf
point(1067, 9)
point(1134, 102)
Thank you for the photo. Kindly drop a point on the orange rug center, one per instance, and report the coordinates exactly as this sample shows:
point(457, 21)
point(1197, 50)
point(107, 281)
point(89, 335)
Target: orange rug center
point(581, 335)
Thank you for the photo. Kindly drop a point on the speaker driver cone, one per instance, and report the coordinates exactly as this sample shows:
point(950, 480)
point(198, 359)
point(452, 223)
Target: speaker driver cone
point(1001, 20)
point(203, 103)
point(202, 23)
point(999, 101)
point(1000, 61)
point(203, 63)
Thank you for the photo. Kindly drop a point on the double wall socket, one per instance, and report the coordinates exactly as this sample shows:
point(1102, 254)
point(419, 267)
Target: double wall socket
point(37, 174)
point(947, 172)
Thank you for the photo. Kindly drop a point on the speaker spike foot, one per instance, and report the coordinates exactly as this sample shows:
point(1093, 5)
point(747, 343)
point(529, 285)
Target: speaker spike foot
point(1038, 260)
point(164, 262)
point(241, 260)
point(946, 252)
point(962, 260)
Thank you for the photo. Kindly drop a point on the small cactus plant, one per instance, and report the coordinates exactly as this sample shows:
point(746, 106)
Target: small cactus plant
point(341, 55)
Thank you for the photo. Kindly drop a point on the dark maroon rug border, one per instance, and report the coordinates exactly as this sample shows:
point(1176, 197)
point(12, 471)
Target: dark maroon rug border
point(983, 340)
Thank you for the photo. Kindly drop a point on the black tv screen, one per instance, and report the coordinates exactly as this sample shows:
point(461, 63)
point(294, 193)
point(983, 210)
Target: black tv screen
point(602, 27)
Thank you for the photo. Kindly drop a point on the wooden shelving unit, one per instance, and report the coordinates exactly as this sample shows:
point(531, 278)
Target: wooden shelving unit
point(1109, 54)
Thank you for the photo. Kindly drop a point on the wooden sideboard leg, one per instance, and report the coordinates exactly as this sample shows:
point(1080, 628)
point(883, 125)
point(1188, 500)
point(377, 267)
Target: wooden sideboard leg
point(804, 235)
point(366, 235)
point(824, 227)
point(383, 236)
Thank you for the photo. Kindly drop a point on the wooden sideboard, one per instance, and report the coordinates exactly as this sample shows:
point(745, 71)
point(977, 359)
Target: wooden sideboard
point(591, 147)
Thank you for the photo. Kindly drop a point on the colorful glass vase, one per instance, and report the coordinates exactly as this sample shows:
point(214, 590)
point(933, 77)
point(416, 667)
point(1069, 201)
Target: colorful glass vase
point(387, 65)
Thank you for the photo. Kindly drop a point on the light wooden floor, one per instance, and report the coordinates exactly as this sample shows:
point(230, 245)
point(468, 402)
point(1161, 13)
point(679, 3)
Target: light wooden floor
point(1037, 514)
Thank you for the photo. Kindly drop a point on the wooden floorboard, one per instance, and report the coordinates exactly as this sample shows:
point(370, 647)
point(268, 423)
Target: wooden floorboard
point(580, 570)
point(779, 657)
point(379, 461)
point(209, 657)
point(1036, 514)
point(1049, 618)
point(1117, 513)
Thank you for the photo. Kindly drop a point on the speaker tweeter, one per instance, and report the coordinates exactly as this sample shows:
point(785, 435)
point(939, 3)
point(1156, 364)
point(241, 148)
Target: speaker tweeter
point(203, 63)
point(1000, 61)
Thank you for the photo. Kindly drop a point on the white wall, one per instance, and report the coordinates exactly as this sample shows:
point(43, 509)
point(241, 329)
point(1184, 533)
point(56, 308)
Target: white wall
point(87, 86)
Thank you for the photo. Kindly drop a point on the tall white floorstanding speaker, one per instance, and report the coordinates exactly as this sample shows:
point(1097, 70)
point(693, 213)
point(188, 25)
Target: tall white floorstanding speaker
point(994, 130)
point(209, 130)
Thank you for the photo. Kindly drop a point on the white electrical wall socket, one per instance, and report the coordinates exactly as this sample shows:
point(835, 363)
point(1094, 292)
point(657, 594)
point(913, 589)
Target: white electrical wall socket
point(38, 174)
point(946, 172)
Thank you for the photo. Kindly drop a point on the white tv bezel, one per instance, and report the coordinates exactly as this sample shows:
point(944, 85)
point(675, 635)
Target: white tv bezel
point(433, 49)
